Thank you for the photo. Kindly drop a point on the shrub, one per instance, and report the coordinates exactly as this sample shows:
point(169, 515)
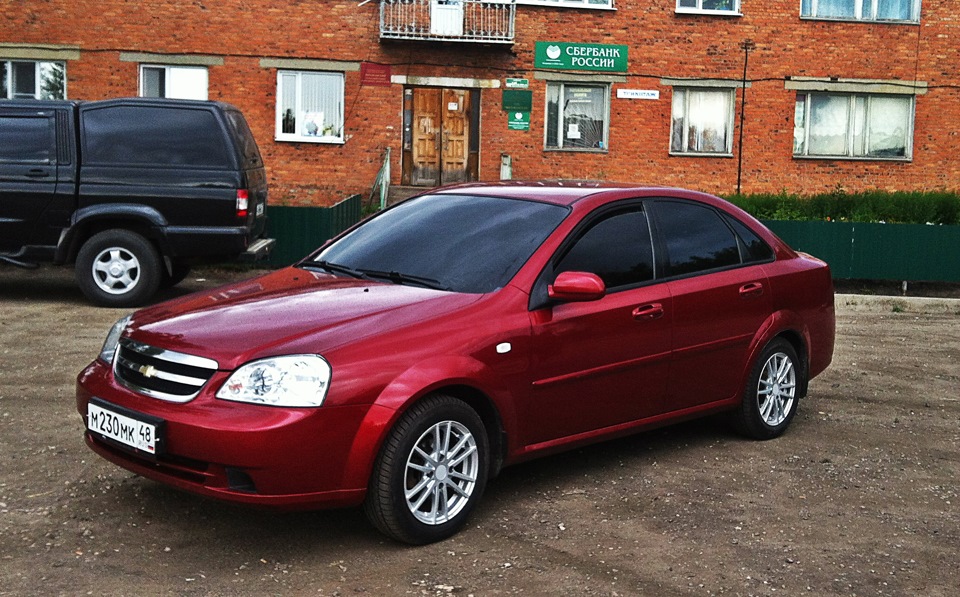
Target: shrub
point(902, 207)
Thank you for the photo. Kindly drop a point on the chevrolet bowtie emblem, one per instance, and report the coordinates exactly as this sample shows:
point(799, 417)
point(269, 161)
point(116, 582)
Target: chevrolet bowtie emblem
point(147, 370)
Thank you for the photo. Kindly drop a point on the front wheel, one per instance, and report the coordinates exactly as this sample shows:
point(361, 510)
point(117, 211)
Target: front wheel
point(770, 398)
point(118, 268)
point(430, 473)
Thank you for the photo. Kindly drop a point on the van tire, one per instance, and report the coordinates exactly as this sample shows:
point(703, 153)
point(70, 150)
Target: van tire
point(118, 268)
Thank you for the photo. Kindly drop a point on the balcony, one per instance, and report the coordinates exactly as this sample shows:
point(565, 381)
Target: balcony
point(477, 21)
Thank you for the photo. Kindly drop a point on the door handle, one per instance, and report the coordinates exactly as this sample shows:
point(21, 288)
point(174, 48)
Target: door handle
point(37, 173)
point(751, 289)
point(649, 311)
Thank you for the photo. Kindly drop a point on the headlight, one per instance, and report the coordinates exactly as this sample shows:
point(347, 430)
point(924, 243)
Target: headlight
point(299, 380)
point(113, 338)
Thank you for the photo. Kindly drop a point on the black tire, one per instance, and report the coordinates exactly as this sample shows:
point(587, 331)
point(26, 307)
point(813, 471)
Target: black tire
point(399, 467)
point(772, 393)
point(118, 268)
point(179, 270)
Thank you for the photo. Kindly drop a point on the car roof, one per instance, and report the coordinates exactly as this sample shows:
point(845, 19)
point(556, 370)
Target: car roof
point(562, 192)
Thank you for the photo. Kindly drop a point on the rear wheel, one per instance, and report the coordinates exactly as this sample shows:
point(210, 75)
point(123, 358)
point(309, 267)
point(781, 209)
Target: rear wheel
point(118, 268)
point(430, 473)
point(770, 398)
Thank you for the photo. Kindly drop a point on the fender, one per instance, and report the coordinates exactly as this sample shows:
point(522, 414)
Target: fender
point(776, 324)
point(132, 213)
point(406, 389)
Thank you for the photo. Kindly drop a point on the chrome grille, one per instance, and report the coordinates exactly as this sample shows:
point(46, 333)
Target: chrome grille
point(161, 373)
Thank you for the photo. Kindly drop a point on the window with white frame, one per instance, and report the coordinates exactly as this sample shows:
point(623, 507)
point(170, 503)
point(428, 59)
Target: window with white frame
point(179, 82)
point(702, 121)
point(578, 116)
point(853, 125)
point(862, 10)
point(310, 106)
point(31, 79)
point(709, 6)
point(571, 3)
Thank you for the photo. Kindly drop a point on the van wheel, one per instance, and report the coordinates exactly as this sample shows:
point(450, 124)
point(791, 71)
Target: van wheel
point(118, 268)
point(430, 473)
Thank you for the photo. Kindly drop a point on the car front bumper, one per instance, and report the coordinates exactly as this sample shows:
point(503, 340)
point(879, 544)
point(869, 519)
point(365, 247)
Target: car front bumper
point(260, 455)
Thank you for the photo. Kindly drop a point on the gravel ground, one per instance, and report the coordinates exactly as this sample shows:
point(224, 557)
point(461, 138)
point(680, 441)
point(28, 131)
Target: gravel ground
point(860, 497)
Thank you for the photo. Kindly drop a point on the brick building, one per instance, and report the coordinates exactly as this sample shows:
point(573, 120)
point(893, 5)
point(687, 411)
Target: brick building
point(859, 94)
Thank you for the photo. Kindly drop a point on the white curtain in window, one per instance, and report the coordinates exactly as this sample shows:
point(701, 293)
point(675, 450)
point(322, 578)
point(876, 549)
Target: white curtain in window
point(187, 83)
point(889, 120)
point(319, 113)
point(829, 123)
point(708, 116)
point(894, 9)
point(836, 8)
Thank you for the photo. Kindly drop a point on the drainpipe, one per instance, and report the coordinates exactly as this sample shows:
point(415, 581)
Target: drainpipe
point(746, 45)
point(506, 167)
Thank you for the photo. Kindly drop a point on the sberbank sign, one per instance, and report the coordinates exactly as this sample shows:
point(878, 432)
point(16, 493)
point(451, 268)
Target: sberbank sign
point(575, 56)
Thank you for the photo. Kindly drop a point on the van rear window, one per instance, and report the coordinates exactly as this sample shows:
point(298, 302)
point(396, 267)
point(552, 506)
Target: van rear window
point(244, 137)
point(151, 135)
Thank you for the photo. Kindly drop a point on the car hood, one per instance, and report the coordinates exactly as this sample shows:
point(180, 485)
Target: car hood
point(291, 310)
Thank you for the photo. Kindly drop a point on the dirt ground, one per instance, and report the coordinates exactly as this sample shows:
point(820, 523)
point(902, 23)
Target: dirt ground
point(860, 497)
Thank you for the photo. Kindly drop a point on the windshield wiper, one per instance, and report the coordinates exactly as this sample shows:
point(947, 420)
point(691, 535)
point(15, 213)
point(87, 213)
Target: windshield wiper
point(336, 268)
point(400, 278)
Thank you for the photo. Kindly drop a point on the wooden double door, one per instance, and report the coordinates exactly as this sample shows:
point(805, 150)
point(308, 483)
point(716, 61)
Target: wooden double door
point(442, 138)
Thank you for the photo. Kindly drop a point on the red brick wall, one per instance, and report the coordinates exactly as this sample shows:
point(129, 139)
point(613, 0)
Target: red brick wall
point(662, 44)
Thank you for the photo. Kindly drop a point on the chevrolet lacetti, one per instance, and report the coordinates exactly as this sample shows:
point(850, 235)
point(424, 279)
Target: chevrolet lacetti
point(409, 359)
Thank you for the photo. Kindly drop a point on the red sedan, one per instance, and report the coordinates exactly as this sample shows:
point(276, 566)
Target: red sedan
point(408, 360)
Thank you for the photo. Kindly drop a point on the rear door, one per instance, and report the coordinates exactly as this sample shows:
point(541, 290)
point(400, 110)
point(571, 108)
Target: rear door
point(720, 301)
point(28, 172)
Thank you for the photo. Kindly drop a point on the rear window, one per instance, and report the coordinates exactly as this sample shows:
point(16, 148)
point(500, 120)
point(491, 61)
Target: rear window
point(146, 135)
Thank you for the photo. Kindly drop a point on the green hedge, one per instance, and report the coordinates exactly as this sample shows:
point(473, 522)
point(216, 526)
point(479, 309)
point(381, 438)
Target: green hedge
point(871, 206)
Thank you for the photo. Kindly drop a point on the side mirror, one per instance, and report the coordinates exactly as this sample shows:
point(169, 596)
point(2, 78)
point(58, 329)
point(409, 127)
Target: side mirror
point(577, 287)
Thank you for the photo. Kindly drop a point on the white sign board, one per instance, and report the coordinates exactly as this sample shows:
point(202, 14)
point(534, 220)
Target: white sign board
point(649, 94)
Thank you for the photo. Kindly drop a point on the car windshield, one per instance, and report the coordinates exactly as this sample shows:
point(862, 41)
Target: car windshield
point(462, 243)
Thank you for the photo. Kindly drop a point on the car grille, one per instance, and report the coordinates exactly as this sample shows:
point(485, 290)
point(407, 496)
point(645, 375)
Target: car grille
point(161, 373)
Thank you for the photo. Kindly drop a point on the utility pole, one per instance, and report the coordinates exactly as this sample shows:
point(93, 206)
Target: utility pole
point(746, 45)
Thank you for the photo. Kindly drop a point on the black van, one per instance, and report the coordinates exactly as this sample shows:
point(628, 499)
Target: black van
point(130, 190)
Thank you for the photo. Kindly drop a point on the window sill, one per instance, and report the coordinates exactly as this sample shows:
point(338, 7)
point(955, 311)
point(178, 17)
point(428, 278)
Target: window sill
point(693, 154)
point(563, 5)
point(850, 158)
point(321, 140)
point(856, 20)
point(712, 13)
point(575, 150)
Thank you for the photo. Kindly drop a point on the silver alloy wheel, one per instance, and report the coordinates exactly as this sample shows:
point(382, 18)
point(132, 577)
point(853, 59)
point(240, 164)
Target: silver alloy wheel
point(441, 472)
point(777, 389)
point(116, 270)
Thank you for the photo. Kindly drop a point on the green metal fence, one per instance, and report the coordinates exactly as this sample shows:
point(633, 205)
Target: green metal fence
point(300, 230)
point(856, 250)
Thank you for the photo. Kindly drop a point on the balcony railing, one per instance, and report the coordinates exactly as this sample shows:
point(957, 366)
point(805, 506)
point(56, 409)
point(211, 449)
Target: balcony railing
point(479, 21)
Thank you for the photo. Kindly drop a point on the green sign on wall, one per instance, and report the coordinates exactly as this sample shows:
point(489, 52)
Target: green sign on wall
point(576, 56)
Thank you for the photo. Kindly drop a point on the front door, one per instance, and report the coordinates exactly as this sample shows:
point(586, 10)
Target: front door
point(440, 137)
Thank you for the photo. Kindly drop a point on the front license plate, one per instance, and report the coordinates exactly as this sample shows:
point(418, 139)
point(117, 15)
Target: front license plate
point(131, 431)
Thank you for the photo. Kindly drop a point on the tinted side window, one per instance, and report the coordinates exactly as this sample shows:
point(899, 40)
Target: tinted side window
point(243, 134)
point(26, 139)
point(158, 136)
point(695, 237)
point(617, 248)
point(754, 249)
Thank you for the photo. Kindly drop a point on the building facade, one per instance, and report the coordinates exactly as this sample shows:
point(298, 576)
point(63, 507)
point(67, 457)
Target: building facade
point(802, 96)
